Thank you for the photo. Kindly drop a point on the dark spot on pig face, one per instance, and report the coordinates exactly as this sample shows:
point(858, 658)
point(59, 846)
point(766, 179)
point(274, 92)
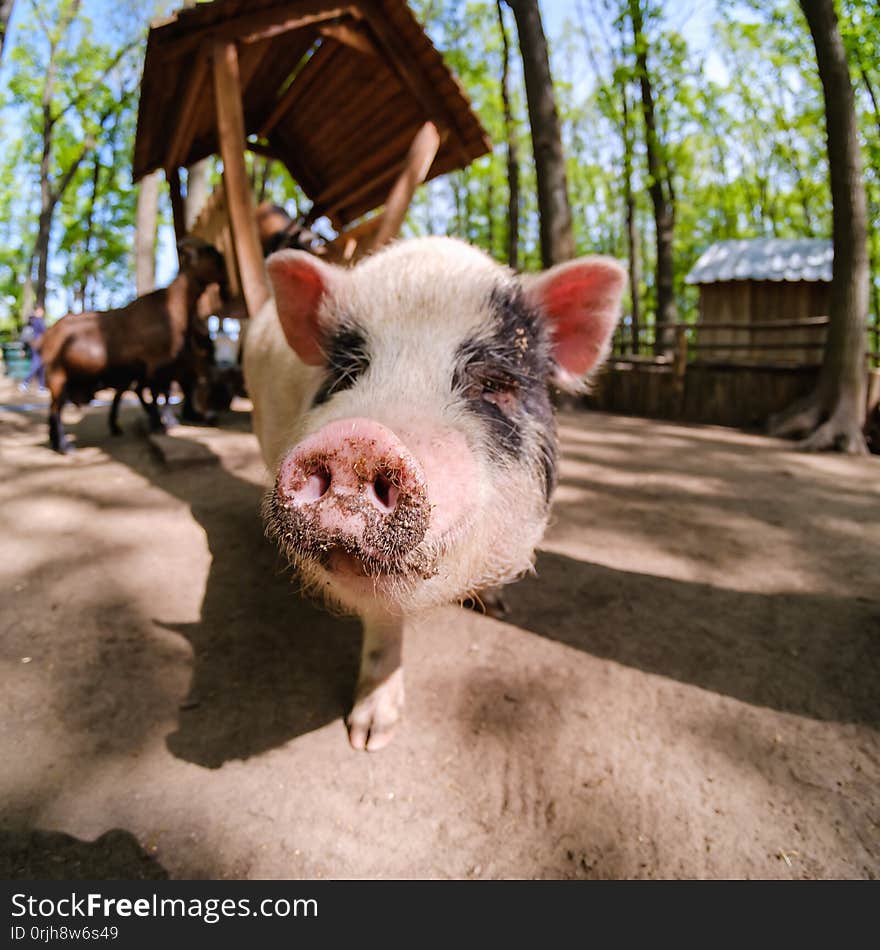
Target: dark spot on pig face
point(502, 376)
point(347, 359)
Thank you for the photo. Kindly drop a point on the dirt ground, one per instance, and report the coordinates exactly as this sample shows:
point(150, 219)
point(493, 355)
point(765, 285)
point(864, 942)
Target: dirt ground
point(689, 687)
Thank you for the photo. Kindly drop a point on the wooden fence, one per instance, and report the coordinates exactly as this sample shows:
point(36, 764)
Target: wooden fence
point(725, 382)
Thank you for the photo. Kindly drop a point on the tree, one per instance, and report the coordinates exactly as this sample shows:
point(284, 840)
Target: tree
point(61, 83)
point(834, 414)
point(615, 98)
point(511, 147)
point(557, 237)
point(661, 189)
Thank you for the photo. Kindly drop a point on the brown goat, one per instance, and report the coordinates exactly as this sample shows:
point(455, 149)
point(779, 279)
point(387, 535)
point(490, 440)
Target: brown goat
point(85, 352)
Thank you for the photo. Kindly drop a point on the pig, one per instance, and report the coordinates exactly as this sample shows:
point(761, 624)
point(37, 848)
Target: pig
point(403, 410)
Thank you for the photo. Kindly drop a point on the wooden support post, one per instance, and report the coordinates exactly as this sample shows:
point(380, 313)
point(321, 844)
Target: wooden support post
point(680, 358)
point(239, 200)
point(177, 211)
point(418, 162)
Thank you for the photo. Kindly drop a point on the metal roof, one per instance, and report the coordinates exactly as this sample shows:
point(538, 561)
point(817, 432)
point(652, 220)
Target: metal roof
point(765, 259)
point(335, 90)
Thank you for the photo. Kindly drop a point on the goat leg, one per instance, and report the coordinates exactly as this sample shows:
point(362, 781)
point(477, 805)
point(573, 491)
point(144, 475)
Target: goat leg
point(151, 409)
point(57, 436)
point(115, 428)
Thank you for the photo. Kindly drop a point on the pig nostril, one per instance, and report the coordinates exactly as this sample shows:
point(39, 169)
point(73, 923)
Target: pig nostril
point(315, 486)
point(385, 491)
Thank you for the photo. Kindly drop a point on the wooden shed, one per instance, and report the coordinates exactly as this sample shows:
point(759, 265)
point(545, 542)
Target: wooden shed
point(763, 302)
point(353, 98)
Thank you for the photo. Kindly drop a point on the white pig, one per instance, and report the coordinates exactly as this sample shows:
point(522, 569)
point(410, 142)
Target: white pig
point(403, 410)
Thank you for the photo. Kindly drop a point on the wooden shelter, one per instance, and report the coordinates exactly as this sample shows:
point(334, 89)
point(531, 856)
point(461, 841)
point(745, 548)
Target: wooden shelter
point(763, 302)
point(352, 97)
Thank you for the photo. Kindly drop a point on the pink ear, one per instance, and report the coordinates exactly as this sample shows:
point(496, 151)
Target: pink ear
point(581, 302)
point(301, 282)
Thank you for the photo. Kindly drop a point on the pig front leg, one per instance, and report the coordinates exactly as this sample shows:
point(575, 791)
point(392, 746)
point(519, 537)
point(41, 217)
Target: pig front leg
point(378, 701)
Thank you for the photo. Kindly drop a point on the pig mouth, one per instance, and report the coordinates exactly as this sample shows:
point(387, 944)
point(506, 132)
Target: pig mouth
point(387, 545)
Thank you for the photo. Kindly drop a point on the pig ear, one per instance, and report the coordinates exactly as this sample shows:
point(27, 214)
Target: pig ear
point(302, 283)
point(581, 302)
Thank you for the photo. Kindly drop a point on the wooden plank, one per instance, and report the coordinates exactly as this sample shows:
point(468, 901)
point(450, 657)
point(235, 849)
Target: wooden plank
point(354, 135)
point(172, 176)
point(282, 60)
point(250, 27)
point(334, 79)
point(376, 183)
point(370, 141)
point(401, 60)
point(295, 90)
point(793, 345)
point(352, 244)
point(418, 160)
point(239, 200)
point(351, 34)
point(759, 325)
point(340, 188)
point(249, 61)
point(185, 123)
point(258, 148)
point(401, 21)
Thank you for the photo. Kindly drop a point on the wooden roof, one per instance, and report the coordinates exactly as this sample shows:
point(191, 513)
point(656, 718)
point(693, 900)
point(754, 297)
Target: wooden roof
point(335, 91)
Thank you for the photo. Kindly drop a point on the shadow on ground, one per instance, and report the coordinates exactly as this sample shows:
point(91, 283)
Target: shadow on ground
point(53, 856)
point(268, 665)
point(812, 655)
point(533, 759)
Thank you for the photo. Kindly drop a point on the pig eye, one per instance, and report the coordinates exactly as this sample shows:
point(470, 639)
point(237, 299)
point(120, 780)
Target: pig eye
point(501, 391)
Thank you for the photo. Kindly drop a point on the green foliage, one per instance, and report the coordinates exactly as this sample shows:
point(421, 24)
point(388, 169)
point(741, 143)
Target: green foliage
point(68, 113)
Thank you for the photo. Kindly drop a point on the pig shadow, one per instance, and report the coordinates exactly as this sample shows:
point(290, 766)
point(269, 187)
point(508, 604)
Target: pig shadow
point(268, 665)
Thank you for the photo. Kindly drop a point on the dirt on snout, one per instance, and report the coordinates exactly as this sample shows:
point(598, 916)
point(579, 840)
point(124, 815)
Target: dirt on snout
point(381, 542)
point(688, 687)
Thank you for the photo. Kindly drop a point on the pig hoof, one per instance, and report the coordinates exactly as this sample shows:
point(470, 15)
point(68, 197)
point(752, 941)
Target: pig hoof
point(376, 713)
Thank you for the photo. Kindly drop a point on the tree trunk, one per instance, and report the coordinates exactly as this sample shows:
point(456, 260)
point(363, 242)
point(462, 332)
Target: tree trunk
point(490, 215)
point(50, 196)
point(146, 227)
point(511, 147)
point(90, 224)
point(834, 414)
point(47, 204)
point(661, 191)
point(263, 183)
point(557, 237)
point(5, 14)
point(632, 231)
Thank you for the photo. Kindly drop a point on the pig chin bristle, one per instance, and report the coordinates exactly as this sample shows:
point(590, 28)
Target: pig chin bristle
point(391, 544)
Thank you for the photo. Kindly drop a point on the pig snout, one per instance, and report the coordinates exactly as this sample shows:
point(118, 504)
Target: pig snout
point(354, 497)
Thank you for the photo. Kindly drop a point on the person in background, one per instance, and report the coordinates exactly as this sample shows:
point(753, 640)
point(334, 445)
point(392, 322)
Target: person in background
point(31, 336)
